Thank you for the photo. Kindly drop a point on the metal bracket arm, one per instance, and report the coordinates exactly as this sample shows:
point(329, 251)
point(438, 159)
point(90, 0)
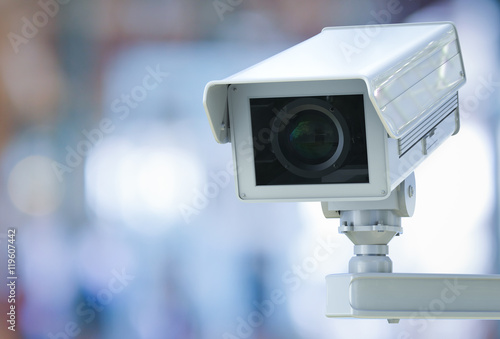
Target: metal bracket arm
point(400, 296)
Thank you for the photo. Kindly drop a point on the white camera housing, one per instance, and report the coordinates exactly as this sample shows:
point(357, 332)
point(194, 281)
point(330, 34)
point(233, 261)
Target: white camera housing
point(383, 98)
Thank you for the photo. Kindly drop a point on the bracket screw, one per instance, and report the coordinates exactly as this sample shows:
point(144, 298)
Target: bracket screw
point(411, 191)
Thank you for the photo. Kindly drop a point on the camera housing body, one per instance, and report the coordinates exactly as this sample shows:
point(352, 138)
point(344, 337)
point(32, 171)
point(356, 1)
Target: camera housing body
point(345, 118)
point(346, 115)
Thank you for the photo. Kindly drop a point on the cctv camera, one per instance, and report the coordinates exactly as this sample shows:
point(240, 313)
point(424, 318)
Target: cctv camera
point(344, 116)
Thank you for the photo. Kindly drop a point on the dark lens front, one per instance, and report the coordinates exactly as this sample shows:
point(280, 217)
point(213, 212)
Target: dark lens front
point(310, 138)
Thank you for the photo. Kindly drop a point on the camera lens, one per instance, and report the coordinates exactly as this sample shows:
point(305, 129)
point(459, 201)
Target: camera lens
point(310, 137)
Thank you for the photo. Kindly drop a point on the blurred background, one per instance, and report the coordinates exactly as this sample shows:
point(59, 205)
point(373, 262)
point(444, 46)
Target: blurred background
point(127, 223)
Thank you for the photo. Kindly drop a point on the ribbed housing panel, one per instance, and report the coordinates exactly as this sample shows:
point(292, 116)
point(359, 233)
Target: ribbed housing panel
point(438, 115)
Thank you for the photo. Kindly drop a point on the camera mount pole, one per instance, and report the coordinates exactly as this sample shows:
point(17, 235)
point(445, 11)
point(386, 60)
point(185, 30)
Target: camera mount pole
point(371, 226)
point(371, 290)
point(370, 232)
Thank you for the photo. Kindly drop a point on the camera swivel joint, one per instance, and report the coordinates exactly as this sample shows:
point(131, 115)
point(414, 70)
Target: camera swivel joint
point(371, 290)
point(372, 225)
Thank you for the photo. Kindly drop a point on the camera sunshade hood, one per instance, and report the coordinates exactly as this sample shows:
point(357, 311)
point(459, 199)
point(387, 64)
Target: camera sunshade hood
point(409, 70)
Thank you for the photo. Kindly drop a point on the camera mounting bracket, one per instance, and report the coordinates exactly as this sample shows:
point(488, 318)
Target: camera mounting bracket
point(371, 290)
point(395, 296)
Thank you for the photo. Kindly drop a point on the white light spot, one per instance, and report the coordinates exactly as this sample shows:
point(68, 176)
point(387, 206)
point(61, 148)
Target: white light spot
point(33, 187)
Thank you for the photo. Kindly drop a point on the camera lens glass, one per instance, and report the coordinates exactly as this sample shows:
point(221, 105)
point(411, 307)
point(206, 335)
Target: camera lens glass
point(309, 140)
point(312, 137)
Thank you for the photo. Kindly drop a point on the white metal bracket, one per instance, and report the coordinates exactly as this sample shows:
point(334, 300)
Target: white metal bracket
point(395, 296)
point(371, 290)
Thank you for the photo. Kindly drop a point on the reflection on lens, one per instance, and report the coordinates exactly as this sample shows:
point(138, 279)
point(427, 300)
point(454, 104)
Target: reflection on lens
point(309, 140)
point(313, 138)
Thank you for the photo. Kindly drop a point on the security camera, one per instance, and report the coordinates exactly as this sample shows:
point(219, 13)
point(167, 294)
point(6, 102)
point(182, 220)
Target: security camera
point(344, 116)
